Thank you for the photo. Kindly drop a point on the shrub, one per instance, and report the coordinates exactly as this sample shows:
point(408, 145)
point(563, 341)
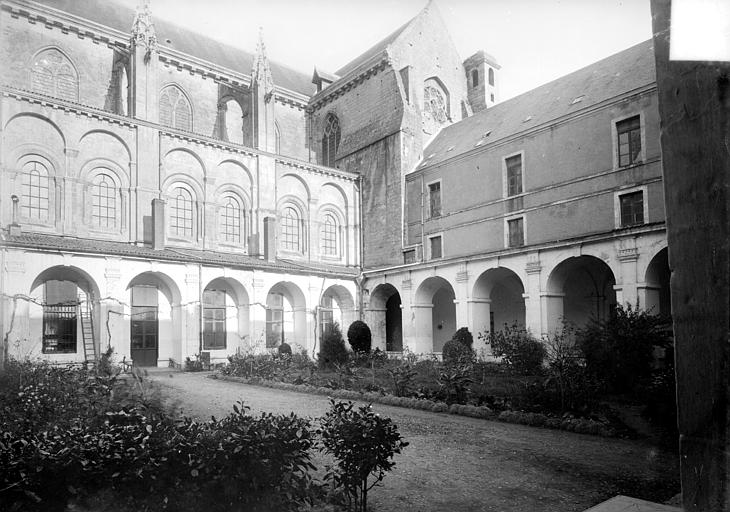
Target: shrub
point(332, 348)
point(619, 351)
point(363, 445)
point(464, 337)
point(402, 377)
point(521, 352)
point(284, 349)
point(454, 381)
point(455, 352)
point(359, 336)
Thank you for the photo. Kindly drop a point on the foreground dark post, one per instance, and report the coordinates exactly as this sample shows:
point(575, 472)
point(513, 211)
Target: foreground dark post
point(694, 99)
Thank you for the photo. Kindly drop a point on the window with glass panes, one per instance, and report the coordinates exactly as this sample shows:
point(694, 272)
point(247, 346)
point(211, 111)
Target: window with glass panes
point(104, 202)
point(632, 208)
point(35, 191)
point(516, 229)
point(436, 249)
point(514, 175)
point(326, 314)
point(274, 320)
point(434, 199)
point(60, 308)
point(181, 213)
point(629, 141)
point(214, 319)
point(290, 230)
point(231, 220)
point(330, 140)
point(329, 236)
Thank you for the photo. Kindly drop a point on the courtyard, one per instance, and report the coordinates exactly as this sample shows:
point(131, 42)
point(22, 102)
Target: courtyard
point(466, 464)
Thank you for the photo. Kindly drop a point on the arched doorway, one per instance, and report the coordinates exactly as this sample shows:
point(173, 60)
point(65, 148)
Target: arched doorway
point(435, 314)
point(384, 317)
point(336, 306)
point(66, 312)
point(657, 296)
point(286, 317)
point(154, 325)
point(497, 300)
point(225, 315)
point(580, 289)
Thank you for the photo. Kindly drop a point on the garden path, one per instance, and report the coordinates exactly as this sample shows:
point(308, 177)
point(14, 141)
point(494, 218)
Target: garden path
point(456, 463)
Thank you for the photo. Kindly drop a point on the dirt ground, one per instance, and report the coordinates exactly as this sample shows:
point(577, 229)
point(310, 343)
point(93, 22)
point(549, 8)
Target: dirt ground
point(455, 463)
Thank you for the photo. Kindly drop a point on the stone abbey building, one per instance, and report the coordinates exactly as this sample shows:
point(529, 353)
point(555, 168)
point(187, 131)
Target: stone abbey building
point(168, 195)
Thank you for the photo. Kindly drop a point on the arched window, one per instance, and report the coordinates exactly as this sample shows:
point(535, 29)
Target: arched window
point(491, 76)
point(175, 110)
point(328, 236)
point(474, 77)
point(330, 140)
point(291, 230)
point(231, 219)
point(104, 201)
point(35, 191)
point(53, 74)
point(434, 102)
point(234, 121)
point(181, 213)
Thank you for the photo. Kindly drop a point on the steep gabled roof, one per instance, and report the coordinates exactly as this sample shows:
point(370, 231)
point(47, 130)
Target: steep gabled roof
point(120, 17)
point(613, 76)
point(374, 50)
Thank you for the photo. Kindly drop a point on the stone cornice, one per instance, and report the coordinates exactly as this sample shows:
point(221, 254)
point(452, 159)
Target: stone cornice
point(318, 169)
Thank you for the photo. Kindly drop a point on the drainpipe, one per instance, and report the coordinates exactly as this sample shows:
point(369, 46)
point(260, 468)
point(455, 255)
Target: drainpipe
point(200, 307)
point(361, 239)
point(423, 235)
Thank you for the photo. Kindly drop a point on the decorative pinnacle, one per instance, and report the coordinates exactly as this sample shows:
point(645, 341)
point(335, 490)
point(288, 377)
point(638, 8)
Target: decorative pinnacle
point(261, 72)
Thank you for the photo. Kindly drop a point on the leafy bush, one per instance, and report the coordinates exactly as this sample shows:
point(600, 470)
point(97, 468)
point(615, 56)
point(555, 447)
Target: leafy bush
point(402, 378)
point(363, 444)
point(619, 351)
point(454, 381)
point(332, 348)
point(284, 349)
point(455, 352)
point(464, 337)
point(359, 336)
point(521, 352)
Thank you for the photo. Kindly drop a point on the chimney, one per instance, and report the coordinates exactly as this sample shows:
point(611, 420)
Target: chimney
point(14, 227)
point(270, 238)
point(481, 80)
point(158, 224)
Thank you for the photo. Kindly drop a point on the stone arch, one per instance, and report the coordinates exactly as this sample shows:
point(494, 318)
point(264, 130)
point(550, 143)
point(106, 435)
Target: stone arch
point(657, 296)
point(175, 107)
point(304, 193)
point(333, 193)
point(497, 300)
point(578, 289)
point(22, 139)
point(235, 307)
point(223, 168)
point(286, 315)
point(59, 79)
point(435, 313)
point(113, 135)
point(155, 319)
point(336, 305)
point(80, 277)
point(232, 127)
point(184, 161)
point(385, 318)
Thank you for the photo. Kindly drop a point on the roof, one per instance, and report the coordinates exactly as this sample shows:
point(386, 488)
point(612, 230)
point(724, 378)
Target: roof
point(375, 50)
point(41, 241)
point(626, 71)
point(120, 17)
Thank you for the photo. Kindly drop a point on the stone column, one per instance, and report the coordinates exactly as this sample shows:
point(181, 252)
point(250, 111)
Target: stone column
point(552, 312)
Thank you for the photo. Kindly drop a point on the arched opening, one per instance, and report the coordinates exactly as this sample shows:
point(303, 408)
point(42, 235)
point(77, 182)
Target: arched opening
point(384, 317)
point(580, 289)
point(234, 121)
point(435, 314)
point(336, 306)
point(657, 296)
point(225, 315)
point(154, 322)
point(286, 316)
point(497, 300)
point(66, 312)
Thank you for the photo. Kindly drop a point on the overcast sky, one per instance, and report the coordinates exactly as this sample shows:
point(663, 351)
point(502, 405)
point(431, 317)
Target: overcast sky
point(534, 41)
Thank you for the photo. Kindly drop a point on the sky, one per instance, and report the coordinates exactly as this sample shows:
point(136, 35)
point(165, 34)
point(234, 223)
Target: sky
point(535, 41)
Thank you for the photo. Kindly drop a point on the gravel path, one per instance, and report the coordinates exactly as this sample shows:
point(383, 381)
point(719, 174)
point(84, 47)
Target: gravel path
point(455, 463)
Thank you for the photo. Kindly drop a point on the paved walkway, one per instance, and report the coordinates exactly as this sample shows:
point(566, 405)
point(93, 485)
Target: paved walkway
point(455, 463)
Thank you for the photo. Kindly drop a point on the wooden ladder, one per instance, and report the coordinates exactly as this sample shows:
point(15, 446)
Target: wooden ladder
point(87, 332)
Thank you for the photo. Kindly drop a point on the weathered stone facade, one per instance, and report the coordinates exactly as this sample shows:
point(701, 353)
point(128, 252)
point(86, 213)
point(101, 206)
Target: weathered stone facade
point(199, 198)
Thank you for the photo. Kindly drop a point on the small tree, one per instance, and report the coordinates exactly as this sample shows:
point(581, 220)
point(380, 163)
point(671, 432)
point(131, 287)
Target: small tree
point(458, 348)
point(363, 444)
point(464, 337)
point(359, 336)
point(332, 349)
point(520, 351)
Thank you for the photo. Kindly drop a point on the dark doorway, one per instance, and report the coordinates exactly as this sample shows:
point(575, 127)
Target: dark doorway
point(393, 324)
point(144, 326)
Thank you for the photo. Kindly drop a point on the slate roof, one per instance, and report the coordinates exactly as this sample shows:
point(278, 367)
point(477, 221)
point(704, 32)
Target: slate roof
point(40, 241)
point(375, 50)
point(120, 17)
point(628, 70)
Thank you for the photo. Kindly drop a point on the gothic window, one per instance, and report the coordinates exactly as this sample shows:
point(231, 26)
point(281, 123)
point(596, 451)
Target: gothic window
point(329, 235)
point(35, 191)
point(330, 140)
point(53, 74)
point(175, 110)
point(435, 106)
point(231, 220)
point(181, 213)
point(104, 202)
point(290, 230)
